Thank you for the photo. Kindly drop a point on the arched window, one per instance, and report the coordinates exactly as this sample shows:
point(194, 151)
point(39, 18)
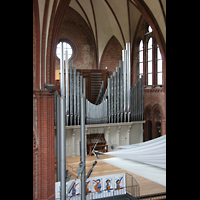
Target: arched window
point(150, 42)
point(140, 60)
point(66, 46)
point(159, 67)
point(150, 29)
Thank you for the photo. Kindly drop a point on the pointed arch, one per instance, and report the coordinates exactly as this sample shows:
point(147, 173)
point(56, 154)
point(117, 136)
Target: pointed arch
point(158, 107)
point(36, 46)
point(111, 54)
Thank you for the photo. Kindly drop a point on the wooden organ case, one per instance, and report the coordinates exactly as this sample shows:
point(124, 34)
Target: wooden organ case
point(97, 142)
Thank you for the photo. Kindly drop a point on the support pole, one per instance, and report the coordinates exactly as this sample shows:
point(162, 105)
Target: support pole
point(62, 128)
point(58, 136)
point(83, 192)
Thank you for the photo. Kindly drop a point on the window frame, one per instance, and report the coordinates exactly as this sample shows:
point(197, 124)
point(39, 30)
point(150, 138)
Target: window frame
point(139, 61)
point(157, 60)
point(73, 46)
point(155, 73)
point(150, 49)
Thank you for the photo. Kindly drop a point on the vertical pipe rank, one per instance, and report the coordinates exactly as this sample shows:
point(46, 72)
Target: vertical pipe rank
point(67, 87)
point(118, 93)
point(74, 95)
point(128, 80)
point(109, 101)
point(121, 90)
point(115, 97)
point(78, 100)
point(71, 93)
point(125, 83)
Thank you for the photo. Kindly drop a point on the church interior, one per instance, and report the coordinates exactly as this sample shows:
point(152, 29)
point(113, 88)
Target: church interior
point(100, 36)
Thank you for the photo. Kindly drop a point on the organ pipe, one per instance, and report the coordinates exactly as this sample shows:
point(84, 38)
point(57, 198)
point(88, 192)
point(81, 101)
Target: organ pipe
point(119, 103)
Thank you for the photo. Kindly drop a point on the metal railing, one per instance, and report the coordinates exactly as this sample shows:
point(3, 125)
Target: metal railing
point(154, 196)
point(131, 191)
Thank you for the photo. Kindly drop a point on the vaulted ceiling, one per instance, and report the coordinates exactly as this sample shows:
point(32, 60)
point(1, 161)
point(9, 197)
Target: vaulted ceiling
point(119, 18)
point(106, 18)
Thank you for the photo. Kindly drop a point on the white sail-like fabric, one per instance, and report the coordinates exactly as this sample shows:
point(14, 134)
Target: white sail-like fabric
point(152, 152)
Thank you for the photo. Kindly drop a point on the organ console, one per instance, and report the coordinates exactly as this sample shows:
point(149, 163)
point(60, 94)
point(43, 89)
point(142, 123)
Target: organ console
point(97, 142)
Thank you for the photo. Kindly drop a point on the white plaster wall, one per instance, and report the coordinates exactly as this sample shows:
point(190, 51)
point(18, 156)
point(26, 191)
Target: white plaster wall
point(136, 134)
point(117, 134)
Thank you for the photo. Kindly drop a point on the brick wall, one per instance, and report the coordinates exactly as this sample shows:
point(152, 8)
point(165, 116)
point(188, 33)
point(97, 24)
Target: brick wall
point(43, 155)
point(154, 98)
point(112, 54)
point(77, 31)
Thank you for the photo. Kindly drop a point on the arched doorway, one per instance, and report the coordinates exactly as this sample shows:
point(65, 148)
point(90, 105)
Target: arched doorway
point(158, 129)
point(157, 122)
point(149, 124)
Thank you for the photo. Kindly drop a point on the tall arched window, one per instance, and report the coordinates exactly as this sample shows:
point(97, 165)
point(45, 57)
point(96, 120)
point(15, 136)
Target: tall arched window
point(159, 67)
point(149, 63)
point(140, 56)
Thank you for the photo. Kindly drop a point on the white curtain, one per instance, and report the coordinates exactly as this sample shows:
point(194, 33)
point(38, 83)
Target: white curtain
point(152, 152)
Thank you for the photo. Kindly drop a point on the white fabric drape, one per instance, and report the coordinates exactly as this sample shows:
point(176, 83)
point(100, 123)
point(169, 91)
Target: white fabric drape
point(152, 152)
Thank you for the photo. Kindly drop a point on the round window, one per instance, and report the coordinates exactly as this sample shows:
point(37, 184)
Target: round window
point(66, 46)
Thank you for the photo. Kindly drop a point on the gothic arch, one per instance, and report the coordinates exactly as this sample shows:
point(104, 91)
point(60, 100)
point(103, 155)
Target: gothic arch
point(159, 108)
point(148, 119)
point(36, 44)
point(111, 55)
point(148, 112)
point(157, 116)
point(55, 25)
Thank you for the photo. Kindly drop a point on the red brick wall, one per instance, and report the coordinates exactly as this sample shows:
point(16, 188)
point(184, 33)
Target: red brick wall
point(73, 28)
point(44, 156)
point(154, 98)
point(76, 30)
point(112, 54)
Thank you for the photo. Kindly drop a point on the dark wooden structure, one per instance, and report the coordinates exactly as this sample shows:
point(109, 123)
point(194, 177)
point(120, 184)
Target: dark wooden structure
point(98, 141)
point(93, 81)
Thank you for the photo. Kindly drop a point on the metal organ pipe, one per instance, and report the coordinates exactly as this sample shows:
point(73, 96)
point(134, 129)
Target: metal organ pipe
point(67, 87)
point(71, 93)
point(128, 79)
point(119, 103)
point(125, 83)
point(121, 90)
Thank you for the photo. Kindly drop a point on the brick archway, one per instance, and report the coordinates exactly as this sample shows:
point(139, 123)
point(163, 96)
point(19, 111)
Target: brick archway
point(147, 118)
point(158, 116)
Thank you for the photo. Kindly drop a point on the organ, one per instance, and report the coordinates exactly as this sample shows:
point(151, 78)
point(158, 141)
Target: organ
point(119, 103)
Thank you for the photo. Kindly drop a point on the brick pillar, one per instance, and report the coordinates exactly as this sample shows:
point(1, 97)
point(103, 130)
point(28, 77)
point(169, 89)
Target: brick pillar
point(45, 174)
